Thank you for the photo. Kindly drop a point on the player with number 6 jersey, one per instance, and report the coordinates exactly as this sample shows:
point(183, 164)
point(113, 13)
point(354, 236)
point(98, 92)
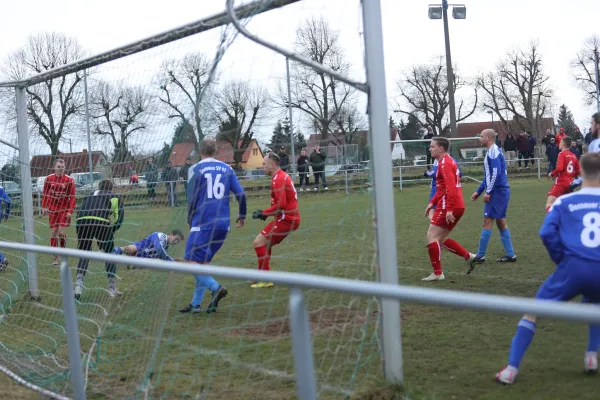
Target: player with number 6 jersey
point(284, 207)
point(571, 235)
point(567, 169)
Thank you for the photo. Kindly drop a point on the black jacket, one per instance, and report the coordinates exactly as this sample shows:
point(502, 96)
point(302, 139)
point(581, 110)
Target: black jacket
point(102, 206)
point(317, 161)
point(302, 164)
point(183, 172)
point(284, 161)
point(510, 144)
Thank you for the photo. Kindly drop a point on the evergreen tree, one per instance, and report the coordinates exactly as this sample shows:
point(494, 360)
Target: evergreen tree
point(163, 156)
point(412, 129)
point(299, 142)
point(184, 133)
point(278, 138)
point(566, 120)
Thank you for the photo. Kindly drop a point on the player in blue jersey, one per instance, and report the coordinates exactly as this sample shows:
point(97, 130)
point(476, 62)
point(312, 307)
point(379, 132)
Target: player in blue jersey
point(496, 198)
point(209, 184)
point(154, 246)
point(571, 235)
point(431, 174)
point(594, 146)
point(5, 204)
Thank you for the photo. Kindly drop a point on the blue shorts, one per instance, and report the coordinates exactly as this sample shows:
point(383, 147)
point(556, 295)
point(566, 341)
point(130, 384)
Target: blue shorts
point(572, 277)
point(498, 204)
point(202, 246)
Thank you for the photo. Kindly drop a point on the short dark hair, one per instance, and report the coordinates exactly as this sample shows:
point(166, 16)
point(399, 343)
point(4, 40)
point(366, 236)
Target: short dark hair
point(177, 232)
point(590, 166)
point(274, 157)
point(442, 142)
point(207, 147)
point(568, 141)
point(105, 185)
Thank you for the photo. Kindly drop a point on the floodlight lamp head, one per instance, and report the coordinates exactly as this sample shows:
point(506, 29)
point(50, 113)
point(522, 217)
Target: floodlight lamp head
point(459, 12)
point(435, 12)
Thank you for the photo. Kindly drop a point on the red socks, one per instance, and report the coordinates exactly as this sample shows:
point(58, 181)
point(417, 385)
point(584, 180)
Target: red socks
point(454, 247)
point(62, 240)
point(435, 253)
point(263, 258)
point(53, 242)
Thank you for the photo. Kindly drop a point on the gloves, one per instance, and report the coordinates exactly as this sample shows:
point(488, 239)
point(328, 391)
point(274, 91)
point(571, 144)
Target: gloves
point(258, 214)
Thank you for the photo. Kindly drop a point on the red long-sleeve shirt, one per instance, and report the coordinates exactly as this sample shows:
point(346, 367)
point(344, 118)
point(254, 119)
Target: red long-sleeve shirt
point(59, 194)
point(448, 195)
point(567, 168)
point(284, 199)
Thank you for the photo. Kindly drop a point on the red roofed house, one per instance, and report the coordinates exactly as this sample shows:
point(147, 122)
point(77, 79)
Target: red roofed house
point(251, 158)
point(74, 163)
point(180, 153)
point(470, 149)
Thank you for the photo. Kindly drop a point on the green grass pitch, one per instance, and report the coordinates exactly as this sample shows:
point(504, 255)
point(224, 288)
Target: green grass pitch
point(243, 351)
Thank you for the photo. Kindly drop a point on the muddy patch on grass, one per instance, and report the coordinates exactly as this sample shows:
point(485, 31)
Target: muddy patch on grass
point(322, 320)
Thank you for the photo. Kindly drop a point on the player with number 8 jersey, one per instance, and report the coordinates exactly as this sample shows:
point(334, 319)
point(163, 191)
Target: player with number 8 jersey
point(567, 169)
point(284, 207)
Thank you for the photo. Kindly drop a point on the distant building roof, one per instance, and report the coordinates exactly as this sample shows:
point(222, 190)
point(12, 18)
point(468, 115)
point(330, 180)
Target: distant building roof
point(181, 151)
point(43, 165)
point(225, 151)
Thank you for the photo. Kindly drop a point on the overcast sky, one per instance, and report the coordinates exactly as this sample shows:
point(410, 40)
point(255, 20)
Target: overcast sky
point(478, 43)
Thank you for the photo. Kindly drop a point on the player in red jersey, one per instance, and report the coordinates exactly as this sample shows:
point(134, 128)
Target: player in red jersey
point(449, 208)
point(284, 207)
point(567, 169)
point(58, 202)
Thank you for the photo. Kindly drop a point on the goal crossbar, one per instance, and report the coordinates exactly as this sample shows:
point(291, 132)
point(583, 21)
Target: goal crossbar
point(183, 31)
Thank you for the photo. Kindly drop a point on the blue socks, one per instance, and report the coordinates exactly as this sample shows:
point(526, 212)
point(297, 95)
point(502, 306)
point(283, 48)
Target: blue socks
point(594, 338)
point(117, 250)
point(202, 283)
point(507, 242)
point(520, 342)
point(486, 234)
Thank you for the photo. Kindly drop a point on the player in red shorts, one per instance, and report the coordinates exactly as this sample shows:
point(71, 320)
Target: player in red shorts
point(284, 207)
point(567, 169)
point(449, 208)
point(58, 202)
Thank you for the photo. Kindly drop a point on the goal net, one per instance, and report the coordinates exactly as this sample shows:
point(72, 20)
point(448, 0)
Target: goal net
point(145, 114)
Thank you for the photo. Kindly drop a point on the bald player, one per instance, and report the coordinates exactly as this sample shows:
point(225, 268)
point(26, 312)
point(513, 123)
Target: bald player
point(496, 197)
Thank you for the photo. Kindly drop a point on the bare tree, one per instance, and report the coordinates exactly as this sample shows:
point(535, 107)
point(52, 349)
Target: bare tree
point(518, 87)
point(184, 87)
point(52, 104)
point(238, 109)
point(584, 69)
point(320, 96)
point(119, 112)
point(424, 95)
point(349, 122)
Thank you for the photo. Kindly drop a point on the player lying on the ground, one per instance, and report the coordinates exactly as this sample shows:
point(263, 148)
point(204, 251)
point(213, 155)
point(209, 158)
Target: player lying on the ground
point(571, 235)
point(209, 184)
point(5, 204)
point(449, 208)
point(284, 207)
point(156, 245)
point(567, 169)
point(496, 198)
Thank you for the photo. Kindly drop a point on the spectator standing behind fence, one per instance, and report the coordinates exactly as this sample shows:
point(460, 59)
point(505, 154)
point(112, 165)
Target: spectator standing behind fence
point(575, 150)
point(552, 151)
point(151, 176)
point(560, 136)
point(510, 147)
point(317, 162)
point(523, 149)
point(170, 179)
point(428, 136)
point(183, 174)
point(284, 159)
point(531, 142)
point(546, 139)
point(303, 170)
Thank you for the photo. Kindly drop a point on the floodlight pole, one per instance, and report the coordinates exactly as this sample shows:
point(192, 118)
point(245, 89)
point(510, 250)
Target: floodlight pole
point(291, 125)
point(449, 71)
point(596, 64)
